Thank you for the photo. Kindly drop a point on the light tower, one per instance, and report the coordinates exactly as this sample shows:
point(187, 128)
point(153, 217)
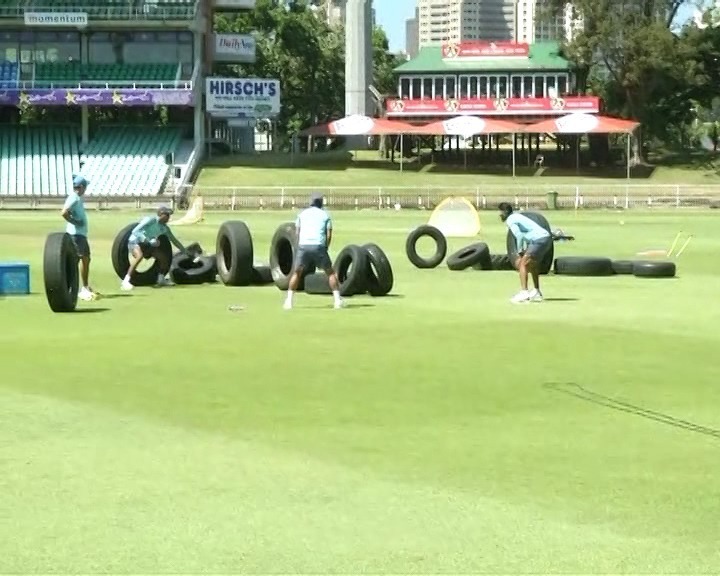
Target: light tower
point(358, 57)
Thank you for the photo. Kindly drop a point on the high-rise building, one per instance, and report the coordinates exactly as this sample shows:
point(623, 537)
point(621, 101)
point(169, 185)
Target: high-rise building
point(533, 25)
point(456, 20)
point(412, 40)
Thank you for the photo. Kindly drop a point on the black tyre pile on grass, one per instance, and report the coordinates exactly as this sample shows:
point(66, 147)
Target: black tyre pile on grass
point(361, 269)
point(477, 256)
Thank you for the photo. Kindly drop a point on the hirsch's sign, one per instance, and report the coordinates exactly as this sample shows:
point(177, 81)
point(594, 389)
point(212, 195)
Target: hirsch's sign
point(251, 97)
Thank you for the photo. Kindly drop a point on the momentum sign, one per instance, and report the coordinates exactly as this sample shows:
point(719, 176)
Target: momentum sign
point(74, 19)
point(235, 48)
point(494, 107)
point(251, 97)
point(235, 4)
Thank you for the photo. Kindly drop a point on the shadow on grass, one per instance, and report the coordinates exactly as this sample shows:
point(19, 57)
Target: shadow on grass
point(393, 296)
point(115, 296)
point(561, 299)
point(90, 310)
point(582, 393)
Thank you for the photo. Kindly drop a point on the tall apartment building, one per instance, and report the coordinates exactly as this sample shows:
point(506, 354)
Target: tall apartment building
point(412, 38)
point(532, 24)
point(455, 20)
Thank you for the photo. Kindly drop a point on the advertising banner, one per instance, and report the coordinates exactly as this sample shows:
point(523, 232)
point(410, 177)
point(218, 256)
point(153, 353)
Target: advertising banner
point(251, 97)
point(235, 48)
point(90, 97)
point(494, 107)
point(473, 50)
point(235, 4)
point(65, 19)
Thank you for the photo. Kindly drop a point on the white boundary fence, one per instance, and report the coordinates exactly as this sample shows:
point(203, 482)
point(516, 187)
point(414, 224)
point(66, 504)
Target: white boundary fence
point(582, 196)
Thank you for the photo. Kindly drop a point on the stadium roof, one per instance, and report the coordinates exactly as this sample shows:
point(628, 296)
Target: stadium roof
point(542, 56)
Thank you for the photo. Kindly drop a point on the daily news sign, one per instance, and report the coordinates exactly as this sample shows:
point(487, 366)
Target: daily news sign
point(249, 97)
point(234, 48)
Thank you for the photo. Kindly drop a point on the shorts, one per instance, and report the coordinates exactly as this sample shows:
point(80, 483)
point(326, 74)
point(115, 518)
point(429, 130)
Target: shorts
point(309, 256)
point(81, 245)
point(147, 250)
point(539, 248)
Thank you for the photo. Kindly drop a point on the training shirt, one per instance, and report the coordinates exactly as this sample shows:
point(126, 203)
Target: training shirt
point(313, 224)
point(76, 208)
point(525, 230)
point(150, 228)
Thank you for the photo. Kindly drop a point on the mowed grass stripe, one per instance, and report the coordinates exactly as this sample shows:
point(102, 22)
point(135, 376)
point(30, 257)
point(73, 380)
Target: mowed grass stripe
point(100, 493)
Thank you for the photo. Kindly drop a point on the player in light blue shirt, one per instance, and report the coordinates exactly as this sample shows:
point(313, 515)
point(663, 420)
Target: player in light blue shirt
point(314, 234)
point(144, 242)
point(73, 211)
point(533, 242)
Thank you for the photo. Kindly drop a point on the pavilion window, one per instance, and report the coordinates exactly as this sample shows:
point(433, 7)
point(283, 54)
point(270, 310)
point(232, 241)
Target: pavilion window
point(483, 91)
point(404, 88)
point(464, 87)
point(503, 87)
point(438, 95)
point(450, 87)
point(562, 86)
point(416, 88)
point(473, 87)
point(539, 87)
point(516, 87)
point(493, 87)
point(527, 87)
point(427, 88)
point(551, 87)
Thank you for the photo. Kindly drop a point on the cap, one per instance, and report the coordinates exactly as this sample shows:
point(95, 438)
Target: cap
point(79, 181)
point(165, 210)
point(316, 199)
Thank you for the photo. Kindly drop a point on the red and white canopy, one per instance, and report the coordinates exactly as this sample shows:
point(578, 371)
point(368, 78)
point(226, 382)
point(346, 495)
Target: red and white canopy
point(358, 125)
point(467, 126)
point(583, 124)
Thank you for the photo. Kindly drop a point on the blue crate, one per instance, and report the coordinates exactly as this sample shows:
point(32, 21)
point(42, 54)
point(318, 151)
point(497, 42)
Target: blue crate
point(14, 278)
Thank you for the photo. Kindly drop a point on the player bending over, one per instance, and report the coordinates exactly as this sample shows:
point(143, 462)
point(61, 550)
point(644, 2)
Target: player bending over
point(73, 212)
point(314, 234)
point(536, 242)
point(144, 242)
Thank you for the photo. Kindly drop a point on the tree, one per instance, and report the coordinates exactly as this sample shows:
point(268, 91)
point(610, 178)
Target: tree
point(648, 70)
point(384, 62)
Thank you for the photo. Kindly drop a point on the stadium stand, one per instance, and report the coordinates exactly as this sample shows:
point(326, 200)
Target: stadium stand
point(66, 74)
point(106, 9)
point(129, 161)
point(9, 75)
point(37, 161)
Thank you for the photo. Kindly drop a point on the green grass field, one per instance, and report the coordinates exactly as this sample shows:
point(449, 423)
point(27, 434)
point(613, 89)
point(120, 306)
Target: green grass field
point(366, 169)
point(412, 434)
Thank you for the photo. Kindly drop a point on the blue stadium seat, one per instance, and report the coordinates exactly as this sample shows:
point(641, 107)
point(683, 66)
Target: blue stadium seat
point(9, 74)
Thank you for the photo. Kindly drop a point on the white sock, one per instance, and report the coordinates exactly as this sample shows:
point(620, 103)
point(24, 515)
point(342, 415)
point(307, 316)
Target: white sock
point(290, 295)
point(161, 277)
point(336, 295)
point(127, 278)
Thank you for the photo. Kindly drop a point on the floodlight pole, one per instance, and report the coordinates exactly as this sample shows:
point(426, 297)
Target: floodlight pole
point(627, 156)
point(402, 150)
point(514, 141)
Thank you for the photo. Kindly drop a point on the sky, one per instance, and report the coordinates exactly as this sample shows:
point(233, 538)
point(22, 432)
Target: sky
point(392, 14)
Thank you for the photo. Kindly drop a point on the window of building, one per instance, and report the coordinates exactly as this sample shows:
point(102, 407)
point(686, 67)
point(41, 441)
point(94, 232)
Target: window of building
point(439, 88)
point(427, 88)
point(464, 87)
point(503, 87)
point(39, 46)
point(539, 87)
point(562, 86)
point(450, 88)
point(9, 45)
point(404, 88)
point(483, 87)
point(516, 87)
point(551, 86)
point(141, 47)
point(416, 88)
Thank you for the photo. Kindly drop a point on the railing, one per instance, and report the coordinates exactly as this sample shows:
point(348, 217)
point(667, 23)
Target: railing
point(141, 11)
point(585, 196)
point(103, 85)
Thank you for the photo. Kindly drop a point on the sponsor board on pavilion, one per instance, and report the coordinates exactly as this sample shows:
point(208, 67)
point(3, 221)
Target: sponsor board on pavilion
point(493, 107)
point(91, 97)
point(476, 50)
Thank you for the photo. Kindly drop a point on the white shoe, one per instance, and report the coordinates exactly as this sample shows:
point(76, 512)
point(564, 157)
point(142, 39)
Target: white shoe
point(287, 305)
point(339, 304)
point(535, 295)
point(126, 286)
point(86, 295)
point(522, 296)
point(163, 281)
